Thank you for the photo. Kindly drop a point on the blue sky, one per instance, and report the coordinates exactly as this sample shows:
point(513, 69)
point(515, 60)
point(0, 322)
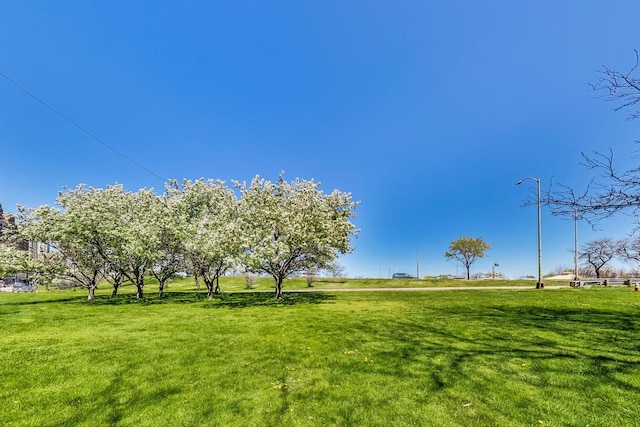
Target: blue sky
point(427, 112)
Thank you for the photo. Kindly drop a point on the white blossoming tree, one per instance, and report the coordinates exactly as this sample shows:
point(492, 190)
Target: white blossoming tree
point(170, 227)
point(138, 248)
point(75, 232)
point(12, 260)
point(212, 241)
point(292, 227)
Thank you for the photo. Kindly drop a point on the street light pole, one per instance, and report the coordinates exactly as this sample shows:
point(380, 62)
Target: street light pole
point(539, 285)
point(575, 245)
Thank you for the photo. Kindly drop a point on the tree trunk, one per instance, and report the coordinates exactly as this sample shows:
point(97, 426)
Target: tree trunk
point(91, 295)
point(278, 288)
point(114, 292)
point(160, 288)
point(139, 292)
point(209, 283)
point(217, 285)
point(197, 280)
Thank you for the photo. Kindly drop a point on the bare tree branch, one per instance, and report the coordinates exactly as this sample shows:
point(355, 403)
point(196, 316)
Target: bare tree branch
point(622, 88)
point(612, 190)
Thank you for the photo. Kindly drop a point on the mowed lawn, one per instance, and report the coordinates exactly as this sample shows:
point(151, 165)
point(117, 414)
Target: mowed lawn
point(446, 358)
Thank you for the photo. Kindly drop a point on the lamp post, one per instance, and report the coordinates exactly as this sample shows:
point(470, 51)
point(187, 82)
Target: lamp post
point(539, 285)
point(575, 245)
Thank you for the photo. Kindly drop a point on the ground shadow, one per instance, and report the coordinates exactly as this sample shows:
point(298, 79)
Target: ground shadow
point(223, 300)
point(262, 299)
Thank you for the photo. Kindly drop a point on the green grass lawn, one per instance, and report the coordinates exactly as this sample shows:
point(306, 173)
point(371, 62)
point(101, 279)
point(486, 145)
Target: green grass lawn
point(468, 358)
point(266, 283)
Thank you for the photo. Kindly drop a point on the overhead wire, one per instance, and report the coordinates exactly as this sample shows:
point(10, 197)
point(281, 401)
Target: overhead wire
point(77, 125)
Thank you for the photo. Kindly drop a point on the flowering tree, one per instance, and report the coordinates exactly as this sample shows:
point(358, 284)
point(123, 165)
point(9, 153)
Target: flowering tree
point(467, 250)
point(169, 229)
point(137, 250)
point(75, 233)
point(212, 238)
point(292, 227)
point(12, 260)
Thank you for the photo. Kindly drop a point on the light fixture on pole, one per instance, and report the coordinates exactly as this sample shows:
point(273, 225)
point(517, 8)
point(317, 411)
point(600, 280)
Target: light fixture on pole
point(539, 285)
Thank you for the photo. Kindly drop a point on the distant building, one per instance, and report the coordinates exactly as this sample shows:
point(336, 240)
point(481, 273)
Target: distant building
point(35, 249)
point(4, 219)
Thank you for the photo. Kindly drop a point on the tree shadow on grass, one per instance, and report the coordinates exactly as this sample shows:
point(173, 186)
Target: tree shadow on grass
point(267, 299)
point(599, 345)
point(223, 300)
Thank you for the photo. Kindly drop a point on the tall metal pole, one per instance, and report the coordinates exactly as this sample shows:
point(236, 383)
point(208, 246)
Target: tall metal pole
point(417, 262)
point(539, 285)
point(575, 246)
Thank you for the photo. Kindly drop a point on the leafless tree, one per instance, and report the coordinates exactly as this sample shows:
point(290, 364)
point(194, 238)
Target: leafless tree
point(599, 252)
point(613, 190)
point(335, 270)
point(623, 88)
point(630, 250)
point(249, 280)
point(311, 274)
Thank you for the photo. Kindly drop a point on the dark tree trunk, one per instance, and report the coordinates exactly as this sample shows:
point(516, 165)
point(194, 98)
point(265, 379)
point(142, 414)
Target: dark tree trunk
point(278, 287)
point(92, 291)
point(217, 285)
point(160, 288)
point(209, 284)
point(114, 292)
point(140, 292)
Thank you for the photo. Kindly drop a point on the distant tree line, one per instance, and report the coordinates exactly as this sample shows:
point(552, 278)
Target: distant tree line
point(204, 227)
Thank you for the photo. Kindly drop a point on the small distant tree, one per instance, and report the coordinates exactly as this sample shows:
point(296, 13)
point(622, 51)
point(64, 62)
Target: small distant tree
point(335, 270)
point(559, 270)
point(467, 250)
point(249, 280)
point(311, 275)
point(599, 252)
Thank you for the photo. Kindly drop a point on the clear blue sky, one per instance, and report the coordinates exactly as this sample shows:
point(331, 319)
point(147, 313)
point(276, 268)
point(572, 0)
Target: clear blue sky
point(428, 112)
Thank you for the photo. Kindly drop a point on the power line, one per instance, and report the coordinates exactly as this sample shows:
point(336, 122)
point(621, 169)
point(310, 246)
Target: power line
point(89, 134)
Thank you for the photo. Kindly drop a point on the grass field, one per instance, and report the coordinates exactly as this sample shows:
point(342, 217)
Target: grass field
point(448, 358)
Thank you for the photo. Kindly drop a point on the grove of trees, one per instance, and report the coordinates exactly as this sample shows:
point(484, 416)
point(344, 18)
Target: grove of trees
point(202, 226)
